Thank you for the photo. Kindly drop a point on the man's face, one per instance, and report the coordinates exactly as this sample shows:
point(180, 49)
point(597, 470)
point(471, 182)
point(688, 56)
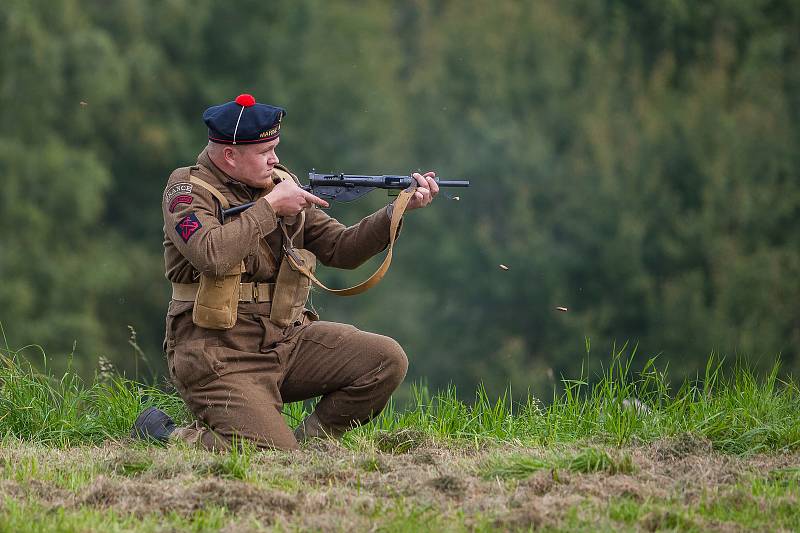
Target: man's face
point(253, 163)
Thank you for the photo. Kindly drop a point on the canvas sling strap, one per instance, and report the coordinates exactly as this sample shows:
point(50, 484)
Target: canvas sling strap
point(400, 204)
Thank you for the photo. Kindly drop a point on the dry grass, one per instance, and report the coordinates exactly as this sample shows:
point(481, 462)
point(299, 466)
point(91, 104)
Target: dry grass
point(330, 488)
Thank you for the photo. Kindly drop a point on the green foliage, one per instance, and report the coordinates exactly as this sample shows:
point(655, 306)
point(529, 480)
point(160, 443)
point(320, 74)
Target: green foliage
point(514, 467)
point(372, 464)
point(636, 164)
point(759, 503)
point(579, 430)
point(23, 517)
point(235, 464)
point(594, 460)
point(66, 411)
point(590, 460)
point(738, 413)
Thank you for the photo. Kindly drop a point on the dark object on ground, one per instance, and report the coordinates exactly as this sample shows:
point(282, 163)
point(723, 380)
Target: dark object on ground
point(153, 424)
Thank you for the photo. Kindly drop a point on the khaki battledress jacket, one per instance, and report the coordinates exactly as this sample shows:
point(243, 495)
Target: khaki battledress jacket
point(253, 236)
point(235, 381)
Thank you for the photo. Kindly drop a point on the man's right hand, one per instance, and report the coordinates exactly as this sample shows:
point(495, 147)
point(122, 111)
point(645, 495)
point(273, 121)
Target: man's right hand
point(288, 199)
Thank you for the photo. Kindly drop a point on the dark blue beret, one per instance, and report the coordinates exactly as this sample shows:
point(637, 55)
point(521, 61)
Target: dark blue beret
point(243, 121)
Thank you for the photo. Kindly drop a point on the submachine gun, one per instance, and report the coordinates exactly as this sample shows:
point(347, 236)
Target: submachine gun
point(349, 187)
point(346, 188)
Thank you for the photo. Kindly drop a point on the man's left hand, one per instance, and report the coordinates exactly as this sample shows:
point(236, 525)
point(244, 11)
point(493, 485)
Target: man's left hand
point(427, 189)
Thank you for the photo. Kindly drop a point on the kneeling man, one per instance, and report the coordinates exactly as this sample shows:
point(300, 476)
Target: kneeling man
point(239, 340)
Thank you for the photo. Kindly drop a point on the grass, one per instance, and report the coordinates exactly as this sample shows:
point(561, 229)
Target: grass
point(64, 411)
point(175, 489)
point(236, 464)
point(586, 461)
point(739, 413)
point(624, 450)
point(17, 518)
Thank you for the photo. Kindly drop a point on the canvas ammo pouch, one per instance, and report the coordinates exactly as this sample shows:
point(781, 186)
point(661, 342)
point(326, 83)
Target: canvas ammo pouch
point(292, 286)
point(218, 300)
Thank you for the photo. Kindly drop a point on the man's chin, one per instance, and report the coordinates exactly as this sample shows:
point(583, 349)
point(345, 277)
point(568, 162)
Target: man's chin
point(256, 183)
point(266, 182)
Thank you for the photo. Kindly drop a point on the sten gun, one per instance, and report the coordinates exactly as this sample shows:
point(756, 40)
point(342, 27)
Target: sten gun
point(349, 187)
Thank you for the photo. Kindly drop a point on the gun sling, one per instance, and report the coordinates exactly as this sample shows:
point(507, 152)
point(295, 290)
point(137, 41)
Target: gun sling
point(400, 204)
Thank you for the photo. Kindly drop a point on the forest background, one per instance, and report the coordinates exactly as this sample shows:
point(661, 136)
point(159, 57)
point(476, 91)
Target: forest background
point(635, 162)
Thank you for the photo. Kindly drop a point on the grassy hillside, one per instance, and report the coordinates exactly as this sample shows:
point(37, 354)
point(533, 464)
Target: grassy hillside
point(622, 451)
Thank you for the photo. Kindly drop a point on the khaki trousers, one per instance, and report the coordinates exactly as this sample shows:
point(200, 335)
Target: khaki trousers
point(236, 381)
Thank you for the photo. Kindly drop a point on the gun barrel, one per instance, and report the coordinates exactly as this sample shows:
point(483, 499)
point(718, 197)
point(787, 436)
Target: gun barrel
point(378, 182)
point(453, 183)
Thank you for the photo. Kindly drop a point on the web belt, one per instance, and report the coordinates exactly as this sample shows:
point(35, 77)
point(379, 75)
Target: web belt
point(248, 292)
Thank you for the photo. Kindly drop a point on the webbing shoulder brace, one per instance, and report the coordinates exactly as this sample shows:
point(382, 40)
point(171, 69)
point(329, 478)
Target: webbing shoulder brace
point(217, 298)
point(210, 188)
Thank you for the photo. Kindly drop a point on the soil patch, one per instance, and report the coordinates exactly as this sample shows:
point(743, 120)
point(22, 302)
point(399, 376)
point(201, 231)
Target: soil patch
point(184, 498)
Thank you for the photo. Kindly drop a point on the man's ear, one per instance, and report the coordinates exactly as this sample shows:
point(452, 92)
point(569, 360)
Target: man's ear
point(230, 155)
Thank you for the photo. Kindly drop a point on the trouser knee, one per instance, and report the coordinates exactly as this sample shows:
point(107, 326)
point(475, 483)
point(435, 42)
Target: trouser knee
point(395, 361)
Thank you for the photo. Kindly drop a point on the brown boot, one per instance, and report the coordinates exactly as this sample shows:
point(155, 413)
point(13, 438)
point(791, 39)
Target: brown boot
point(312, 428)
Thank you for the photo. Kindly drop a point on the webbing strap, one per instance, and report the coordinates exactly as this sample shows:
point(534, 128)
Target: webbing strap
point(400, 205)
point(248, 292)
point(207, 186)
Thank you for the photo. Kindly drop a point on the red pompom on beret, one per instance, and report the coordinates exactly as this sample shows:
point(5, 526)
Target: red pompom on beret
point(245, 100)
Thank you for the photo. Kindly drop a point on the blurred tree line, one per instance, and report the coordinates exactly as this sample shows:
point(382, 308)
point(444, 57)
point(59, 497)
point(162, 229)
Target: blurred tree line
point(634, 162)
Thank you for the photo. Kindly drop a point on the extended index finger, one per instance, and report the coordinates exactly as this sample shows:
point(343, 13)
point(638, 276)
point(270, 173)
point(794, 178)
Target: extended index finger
point(315, 199)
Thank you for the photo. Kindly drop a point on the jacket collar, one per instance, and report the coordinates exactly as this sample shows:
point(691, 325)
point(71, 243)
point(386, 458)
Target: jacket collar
point(224, 182)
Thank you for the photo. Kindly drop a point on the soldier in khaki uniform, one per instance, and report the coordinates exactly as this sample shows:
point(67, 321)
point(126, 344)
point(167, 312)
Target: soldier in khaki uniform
point(236, 379)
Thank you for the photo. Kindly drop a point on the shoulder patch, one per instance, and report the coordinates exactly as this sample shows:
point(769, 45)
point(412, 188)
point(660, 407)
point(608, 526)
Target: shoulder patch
point(188, 226)
point(183, 187)
point(180, 199)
